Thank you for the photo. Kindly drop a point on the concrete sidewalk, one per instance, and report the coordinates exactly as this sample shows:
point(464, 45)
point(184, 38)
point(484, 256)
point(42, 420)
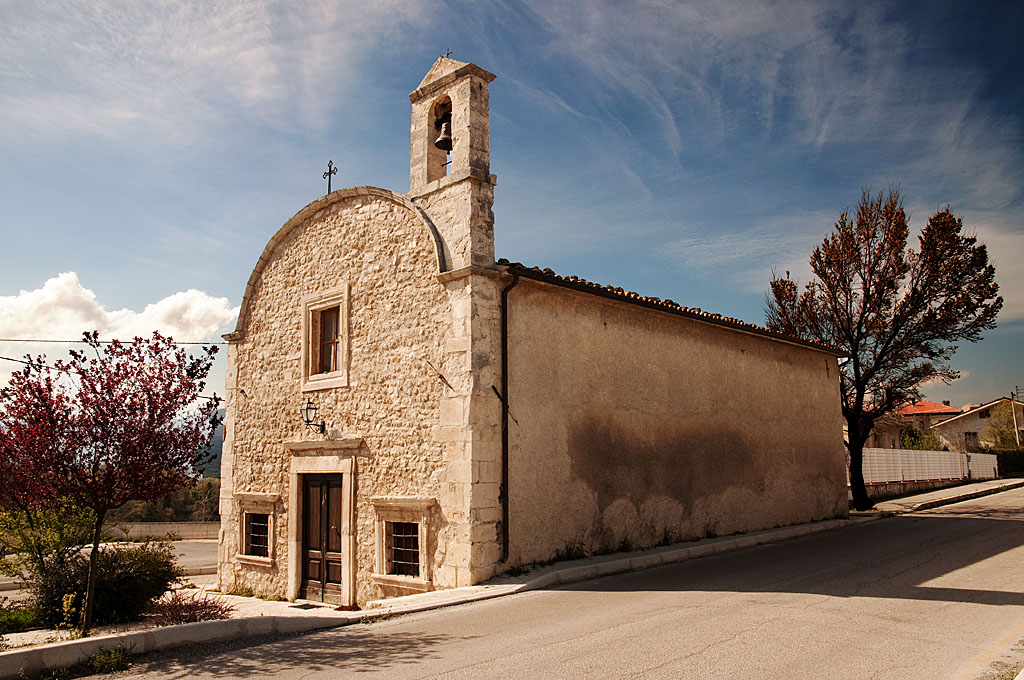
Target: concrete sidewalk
point(255, 617)
point(956, 494)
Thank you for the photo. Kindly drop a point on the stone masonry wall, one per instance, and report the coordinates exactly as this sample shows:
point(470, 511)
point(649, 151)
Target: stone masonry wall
point(400, 319)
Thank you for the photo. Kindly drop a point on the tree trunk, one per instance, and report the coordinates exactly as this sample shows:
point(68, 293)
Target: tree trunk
point(857, 488)
point(90, 588)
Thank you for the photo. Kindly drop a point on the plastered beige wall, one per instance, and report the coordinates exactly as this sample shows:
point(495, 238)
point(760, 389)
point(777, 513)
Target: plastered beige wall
point(637, 427)
point(953, 433)
point(400, 319)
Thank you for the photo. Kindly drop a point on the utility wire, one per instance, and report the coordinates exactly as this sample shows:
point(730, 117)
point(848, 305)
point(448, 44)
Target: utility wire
point(64, 370)
point(106, 342)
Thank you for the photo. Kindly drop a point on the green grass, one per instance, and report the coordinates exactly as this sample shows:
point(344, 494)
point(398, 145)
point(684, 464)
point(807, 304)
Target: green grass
point(17, 619)
point(108, 661)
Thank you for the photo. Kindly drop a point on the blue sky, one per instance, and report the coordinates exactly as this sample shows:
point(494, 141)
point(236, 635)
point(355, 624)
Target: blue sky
point(681, 150)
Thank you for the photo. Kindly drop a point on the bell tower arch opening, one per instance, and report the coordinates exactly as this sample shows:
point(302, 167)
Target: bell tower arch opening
point(439, 150)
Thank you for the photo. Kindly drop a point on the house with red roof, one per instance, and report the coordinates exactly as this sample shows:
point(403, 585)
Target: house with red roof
point(919, 415)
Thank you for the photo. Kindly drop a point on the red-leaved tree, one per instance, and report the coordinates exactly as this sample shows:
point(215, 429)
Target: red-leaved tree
point(118, 422)
point(897, 313)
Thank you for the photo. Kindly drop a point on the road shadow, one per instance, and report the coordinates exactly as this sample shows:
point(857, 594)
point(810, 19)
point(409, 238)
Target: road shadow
point(359, 649)
point(892, 558)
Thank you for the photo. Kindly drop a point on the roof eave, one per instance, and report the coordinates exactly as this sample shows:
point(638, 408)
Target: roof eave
point(667, 306)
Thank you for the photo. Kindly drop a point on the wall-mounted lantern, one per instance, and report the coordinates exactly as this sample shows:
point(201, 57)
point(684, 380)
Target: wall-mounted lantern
point(308, 413)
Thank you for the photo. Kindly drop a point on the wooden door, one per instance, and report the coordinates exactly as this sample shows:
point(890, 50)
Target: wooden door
point(322, 539)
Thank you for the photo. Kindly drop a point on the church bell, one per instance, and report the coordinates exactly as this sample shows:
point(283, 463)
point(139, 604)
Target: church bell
point(444, 140)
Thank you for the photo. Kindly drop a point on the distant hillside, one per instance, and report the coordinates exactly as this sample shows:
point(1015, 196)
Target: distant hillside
point(212, 468)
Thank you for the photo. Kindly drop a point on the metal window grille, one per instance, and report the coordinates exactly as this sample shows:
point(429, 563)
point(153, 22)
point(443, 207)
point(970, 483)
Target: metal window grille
point(403, 548)
point(257, 534)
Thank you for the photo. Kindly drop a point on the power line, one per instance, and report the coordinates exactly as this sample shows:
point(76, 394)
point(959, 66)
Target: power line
point(106, 342)
point(64, 370)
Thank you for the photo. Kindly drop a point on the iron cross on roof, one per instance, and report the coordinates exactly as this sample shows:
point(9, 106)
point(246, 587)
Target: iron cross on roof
point(331, 170)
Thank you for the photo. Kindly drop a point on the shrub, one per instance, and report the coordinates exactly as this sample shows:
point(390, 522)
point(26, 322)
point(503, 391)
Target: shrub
point(128, 579)
point(42, 538)
point(1011, 461)
point(922, 440)
point(177, 608)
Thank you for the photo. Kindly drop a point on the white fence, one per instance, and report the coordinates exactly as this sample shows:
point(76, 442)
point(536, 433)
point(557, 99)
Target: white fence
point(983, 465)
point(901, 465)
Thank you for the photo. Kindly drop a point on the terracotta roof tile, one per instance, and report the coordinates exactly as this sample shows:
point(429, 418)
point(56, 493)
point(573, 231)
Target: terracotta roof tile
point(665, 305)
point(923, 407)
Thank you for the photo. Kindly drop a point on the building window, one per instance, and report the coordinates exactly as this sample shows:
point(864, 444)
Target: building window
point(403, 548)
point(970, 438)
point(325, 340)
point(257, 534)
point(985, 414)
point(403, 542)
point(256, 523)
point(329, 339)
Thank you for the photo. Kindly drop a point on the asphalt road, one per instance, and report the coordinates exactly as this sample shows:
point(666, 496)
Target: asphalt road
point(934, 595)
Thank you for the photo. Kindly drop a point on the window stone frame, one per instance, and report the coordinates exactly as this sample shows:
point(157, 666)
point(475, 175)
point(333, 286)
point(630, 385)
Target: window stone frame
point(416, 510)
point(257, 504)
point(312, 305)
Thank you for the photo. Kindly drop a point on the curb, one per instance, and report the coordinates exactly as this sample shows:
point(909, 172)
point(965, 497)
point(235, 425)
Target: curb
point(939, 502)
point(33, 661)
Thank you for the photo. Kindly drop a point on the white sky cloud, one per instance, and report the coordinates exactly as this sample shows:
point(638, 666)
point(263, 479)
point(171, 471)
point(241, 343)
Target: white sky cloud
point(62, 309)
point(1006, 252)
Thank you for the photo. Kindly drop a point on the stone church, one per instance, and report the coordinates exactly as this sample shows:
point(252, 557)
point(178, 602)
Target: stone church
point(405, 413)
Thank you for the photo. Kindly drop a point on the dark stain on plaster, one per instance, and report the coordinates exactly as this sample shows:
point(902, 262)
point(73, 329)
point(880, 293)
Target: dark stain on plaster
point(680, 462)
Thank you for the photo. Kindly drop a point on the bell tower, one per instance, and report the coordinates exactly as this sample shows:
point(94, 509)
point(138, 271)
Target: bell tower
point(449, 160)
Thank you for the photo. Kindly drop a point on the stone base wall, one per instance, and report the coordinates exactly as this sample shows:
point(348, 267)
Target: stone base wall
point(180, 531)
point(887, 490)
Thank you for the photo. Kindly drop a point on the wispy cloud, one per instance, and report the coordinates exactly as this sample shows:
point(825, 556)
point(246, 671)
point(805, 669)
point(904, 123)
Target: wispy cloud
point(689, 80)
point(746, 258)
point(784, 243)
point(170, 69)
point(1006, 251)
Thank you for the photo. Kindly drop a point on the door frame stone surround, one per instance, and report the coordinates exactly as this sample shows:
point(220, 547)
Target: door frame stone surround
point(328, 456)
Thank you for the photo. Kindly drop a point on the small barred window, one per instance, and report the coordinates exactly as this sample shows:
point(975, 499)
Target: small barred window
point(403, 548)
point(257, 534)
